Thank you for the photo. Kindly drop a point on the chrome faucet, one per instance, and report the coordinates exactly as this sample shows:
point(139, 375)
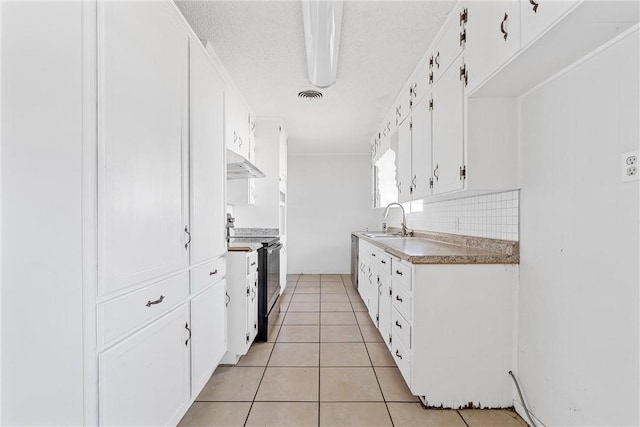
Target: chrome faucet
point(405, 230)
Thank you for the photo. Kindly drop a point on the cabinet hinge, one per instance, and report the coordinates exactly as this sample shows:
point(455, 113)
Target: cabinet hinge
point(377, 317)
point(431, 61)
point(411, 125)
point(464, 16)
point(464, 74)
point(411, 103)
point(390, 339)
point(390, 291)
point(463, 172)
point(463, 36)
point(431, 104)
point(247, 338)
point(248, 290)
point(430, 182)
point(431, 77)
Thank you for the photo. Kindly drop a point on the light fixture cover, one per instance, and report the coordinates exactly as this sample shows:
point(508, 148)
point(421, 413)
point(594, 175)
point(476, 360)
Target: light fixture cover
point(322, 23)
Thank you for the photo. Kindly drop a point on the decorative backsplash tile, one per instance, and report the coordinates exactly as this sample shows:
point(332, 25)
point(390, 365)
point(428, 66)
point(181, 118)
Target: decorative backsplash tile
point(494, 216)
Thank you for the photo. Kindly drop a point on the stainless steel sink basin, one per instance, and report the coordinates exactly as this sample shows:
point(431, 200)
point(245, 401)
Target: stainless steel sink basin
point(381, 235)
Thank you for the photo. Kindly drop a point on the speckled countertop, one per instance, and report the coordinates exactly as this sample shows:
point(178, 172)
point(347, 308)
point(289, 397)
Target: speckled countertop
point(441, 248)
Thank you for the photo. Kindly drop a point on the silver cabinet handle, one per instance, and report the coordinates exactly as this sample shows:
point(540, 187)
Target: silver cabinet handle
point(399, 272)
point(398, 298)
point(228, 299)
point(158, 301)
point(186, 230)
point(398, 354)
point(398, 324)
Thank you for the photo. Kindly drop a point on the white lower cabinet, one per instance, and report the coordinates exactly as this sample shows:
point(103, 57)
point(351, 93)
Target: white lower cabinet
point(449, 327)
point(209, 333)
point(144, 380)
point(242, 306)
point(452, 332)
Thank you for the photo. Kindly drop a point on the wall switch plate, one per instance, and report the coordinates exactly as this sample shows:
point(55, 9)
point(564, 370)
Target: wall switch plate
point(630, 166)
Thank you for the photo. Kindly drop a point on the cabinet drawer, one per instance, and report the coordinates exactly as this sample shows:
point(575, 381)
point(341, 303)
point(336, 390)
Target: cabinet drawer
point(208, 273)
point(384, 263)
point(401, 301)
point(402, 356)
point(401, 275)
point(125, 313)
point(401, 328)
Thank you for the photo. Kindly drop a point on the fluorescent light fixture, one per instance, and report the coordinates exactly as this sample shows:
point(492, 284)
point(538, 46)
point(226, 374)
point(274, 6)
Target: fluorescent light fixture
point(322, 23)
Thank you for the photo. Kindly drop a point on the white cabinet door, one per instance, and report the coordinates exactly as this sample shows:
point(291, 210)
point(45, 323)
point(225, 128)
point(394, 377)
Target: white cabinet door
point(493, 36)
point(448, 131)
point(449, 45)
point(403, 165)
point(207, 159)
point(209, 334)
point(252, 303)
point(539, 15)
point(142, 132)
point(384, 309)
point(231, 108)
point(144, 380)
point(421, 148)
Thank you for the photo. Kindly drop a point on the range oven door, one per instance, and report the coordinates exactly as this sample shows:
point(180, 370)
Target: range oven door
point(268, 289)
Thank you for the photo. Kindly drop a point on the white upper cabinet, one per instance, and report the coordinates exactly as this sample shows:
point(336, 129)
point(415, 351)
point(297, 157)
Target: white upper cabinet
point(447, 143)
point(538, 15)
point(421, 148)
point(402, 106)
point(142, 135)
point(403, 162)
point(237, 124)
point(449, 45)
point(207, 159)
point(493, 36)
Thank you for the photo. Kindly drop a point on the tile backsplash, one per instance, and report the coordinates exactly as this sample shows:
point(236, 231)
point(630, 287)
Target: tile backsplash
point(494, 216)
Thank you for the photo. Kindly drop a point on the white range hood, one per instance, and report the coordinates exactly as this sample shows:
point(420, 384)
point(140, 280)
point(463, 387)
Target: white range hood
point(239, 167)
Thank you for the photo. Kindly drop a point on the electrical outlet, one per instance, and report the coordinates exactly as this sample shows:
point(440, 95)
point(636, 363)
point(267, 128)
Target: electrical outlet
point(629, 164)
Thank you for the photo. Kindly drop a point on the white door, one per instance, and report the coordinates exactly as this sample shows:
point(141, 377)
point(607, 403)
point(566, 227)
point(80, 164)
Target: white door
point(142, 134)
point(448, 131)
point(449, 45)
point(206, 159)
point(208, 339)
point(144, 380)
point(403, 166)
point(493, 36)
point(421, 148)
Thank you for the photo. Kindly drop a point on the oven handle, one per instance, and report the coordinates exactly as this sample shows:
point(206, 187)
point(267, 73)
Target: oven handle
point(276, 247)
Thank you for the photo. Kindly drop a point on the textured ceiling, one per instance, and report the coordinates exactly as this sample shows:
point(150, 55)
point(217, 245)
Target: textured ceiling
point(261, 44)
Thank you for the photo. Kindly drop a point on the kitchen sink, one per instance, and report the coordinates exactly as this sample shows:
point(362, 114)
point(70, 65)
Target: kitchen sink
point(379, 235)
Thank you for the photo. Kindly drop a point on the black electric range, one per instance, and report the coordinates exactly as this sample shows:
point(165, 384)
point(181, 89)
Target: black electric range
point(268, 280)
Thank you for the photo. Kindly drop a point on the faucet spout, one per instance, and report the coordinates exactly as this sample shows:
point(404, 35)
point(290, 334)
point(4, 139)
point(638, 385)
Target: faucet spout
point(405, 230)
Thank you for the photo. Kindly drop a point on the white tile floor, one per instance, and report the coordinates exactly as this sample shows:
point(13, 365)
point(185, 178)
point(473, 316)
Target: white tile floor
point(325, 365)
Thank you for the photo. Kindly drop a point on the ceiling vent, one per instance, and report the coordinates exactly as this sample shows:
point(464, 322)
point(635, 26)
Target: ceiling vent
point(311, 95)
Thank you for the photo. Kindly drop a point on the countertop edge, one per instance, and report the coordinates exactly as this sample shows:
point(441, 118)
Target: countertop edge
point(510, 256)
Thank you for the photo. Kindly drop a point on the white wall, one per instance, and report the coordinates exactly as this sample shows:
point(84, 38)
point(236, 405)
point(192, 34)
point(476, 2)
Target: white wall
point(579, 273)
point(42, 319)
point(328, 197)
